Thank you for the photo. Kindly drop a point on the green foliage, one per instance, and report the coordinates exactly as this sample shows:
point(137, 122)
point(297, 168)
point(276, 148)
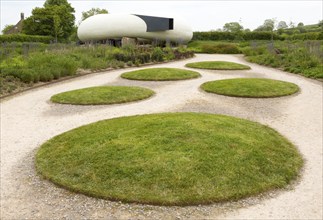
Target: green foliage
point(213, 47)
point(250, 87)
point(170, 159)
point(213, 36)
point(102, 95)
point(305, 36)
point(228, 36)
point(301, 57)
point(25, 38)
point(7, 27)
point(157, 54)
point(160, 74)
point(268, 25)
point(93, 11)
point(233, 27)
point(56, 19)
point(34, 62)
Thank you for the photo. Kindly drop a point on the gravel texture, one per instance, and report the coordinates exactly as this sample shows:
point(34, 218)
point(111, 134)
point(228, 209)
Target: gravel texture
point(29, 119)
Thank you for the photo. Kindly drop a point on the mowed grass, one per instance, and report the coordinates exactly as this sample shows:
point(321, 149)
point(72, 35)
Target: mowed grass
point(160, 74)
point(250, 87)
point(218, 65)
point(170, 159)
point(102, 95)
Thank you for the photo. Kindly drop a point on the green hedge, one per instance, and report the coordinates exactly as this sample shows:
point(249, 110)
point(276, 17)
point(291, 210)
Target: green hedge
point(306, 36)
point(25, 38)
point(220, 36)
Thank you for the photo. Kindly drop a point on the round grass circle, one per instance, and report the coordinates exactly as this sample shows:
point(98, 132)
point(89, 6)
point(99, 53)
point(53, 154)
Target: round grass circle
point(160, 74)
point(101, 95)
point(218, 65)
point(170, 159)
point(250, 87)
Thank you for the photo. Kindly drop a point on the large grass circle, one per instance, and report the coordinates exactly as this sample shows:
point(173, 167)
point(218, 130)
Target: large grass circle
point(160, 74)
point(170, 159)
point(102, 95)
point(250, 87)
point(218, 65)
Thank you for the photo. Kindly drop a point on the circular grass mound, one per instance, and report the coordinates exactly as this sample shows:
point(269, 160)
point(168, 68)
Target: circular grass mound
point(160, 74)
point(250, 87)
point(170, 159)
point(102, 95)
point(218, 65)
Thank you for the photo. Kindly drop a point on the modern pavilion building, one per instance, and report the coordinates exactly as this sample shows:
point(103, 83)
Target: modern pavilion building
point(115, 27)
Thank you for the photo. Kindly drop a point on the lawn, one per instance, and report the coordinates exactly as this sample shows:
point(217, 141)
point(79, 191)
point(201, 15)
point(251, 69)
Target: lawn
point(218, 65)
point(170, 159)
point(102, 95)
point(250, 87)
point(160, 74)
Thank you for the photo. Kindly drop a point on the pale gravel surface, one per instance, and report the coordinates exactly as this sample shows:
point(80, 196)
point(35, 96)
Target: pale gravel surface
point(29, 119)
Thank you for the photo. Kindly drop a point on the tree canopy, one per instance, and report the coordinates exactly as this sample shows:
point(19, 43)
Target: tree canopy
point(7, 28)
point(268, 25)
point(93, 11)
point(55, 19)
point(282, 25)
point(233, 27)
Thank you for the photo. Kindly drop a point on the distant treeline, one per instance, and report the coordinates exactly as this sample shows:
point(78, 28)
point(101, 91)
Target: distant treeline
point(254, 35)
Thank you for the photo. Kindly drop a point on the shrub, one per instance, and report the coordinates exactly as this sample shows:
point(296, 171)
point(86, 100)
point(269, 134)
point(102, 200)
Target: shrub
point(214, 47)
point(47, 62)
point(157, 54)
point(25, 38)
point(221, 48)
point(303, 57)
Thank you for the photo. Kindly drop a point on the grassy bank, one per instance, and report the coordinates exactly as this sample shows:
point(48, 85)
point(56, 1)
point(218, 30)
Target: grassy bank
point(300, 57)
point(22, 63)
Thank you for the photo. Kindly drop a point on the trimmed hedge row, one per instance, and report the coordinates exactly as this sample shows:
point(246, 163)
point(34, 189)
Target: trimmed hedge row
point(25, 38)
point(306, 36)
point(220, 36)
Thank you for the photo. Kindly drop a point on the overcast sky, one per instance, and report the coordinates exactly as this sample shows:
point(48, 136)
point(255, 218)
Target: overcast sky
point(202, 15)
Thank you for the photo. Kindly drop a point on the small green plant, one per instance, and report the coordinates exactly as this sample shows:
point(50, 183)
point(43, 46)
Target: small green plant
point(157, 54)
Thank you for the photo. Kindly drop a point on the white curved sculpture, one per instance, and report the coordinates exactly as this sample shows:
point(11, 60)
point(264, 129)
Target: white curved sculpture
point(116, 26)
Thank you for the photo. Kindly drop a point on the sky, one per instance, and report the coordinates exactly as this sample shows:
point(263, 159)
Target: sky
point(201, 15)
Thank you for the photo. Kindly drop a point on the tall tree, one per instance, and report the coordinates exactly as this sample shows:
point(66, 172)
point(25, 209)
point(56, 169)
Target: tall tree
point(233, 27)
point(65, 3)
point(300, 27)
point(93, 11)
point(55, 19)
point(282, 25)
point(268, 25)
point(320, 24)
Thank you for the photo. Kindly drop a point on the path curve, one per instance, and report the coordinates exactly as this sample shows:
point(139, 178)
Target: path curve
point(29, 119)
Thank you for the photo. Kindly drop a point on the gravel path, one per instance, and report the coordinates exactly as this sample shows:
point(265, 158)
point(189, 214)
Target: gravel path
point(29, 119)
